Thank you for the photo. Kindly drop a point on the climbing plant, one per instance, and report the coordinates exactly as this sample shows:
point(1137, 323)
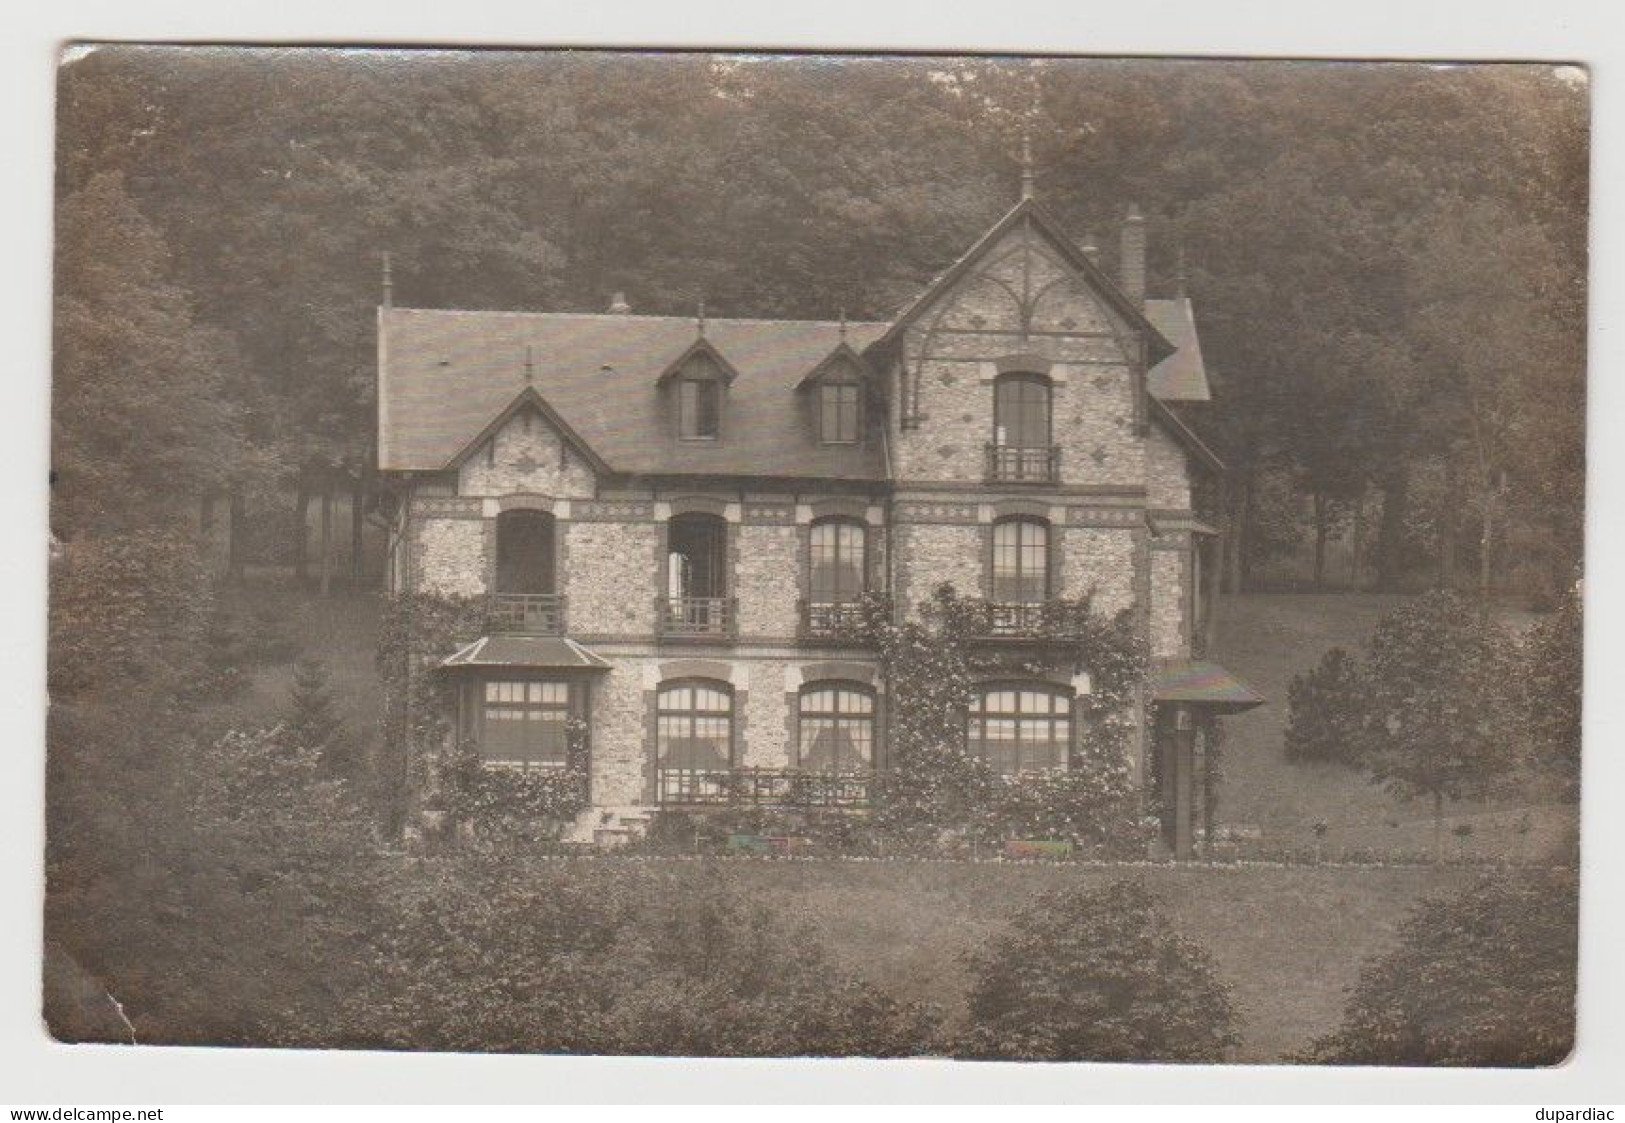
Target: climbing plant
point(935, 788)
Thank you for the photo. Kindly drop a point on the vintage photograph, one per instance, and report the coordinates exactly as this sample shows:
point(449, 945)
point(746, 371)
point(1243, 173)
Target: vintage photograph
point(715, 554)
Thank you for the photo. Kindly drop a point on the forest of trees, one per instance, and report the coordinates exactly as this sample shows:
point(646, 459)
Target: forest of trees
point(1388, 261)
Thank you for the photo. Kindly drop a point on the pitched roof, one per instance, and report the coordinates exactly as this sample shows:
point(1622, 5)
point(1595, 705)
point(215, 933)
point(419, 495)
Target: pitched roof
point(1028, 210)
point(445, 374)
point(559, 653)
point(1182, 376)
point(1201, 682)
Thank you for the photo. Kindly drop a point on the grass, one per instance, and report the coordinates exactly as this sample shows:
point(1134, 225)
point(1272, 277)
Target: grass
point(1288, 940)
point(1267, 639)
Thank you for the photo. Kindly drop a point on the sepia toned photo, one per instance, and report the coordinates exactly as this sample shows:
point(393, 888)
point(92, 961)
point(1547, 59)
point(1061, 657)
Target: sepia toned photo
point(1048, 559)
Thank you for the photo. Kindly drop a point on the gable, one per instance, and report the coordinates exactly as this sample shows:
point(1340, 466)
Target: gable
point(1024, 270)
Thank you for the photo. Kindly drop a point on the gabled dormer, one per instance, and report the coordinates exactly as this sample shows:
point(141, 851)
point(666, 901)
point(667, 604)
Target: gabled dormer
point(835, 396)
point(696, 389)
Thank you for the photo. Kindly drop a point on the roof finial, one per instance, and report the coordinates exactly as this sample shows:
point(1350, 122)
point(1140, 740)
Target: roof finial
point(699, 319)
point(530, 367)
point(1027, 159)
point(843, 324)
point(389, 283)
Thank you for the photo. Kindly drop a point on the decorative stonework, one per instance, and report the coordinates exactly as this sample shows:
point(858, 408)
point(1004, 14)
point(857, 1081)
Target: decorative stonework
point(1104, 516)
point(446, 507)
point(937, 512)
point(611, 510)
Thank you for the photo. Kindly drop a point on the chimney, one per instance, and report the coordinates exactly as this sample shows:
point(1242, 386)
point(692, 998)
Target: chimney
point(618, 306)
point(389, 283)
point(1131, 264)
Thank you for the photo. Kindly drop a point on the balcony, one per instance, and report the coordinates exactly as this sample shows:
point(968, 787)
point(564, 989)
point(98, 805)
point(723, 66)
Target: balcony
point(1016, 464)
point(841, 621)
point(534, 614)
point(1036, 620)
point(707, 618)
point(761, 787)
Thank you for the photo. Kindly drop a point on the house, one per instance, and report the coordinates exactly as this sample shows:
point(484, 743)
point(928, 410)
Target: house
point(671, 517)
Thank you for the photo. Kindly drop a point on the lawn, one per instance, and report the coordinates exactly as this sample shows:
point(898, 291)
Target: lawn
point(1288, 940)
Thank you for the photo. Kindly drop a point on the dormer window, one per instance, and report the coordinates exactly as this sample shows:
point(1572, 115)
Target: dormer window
point(838, 413)
point(834, 390)
point(699, 409)
point(698, 384)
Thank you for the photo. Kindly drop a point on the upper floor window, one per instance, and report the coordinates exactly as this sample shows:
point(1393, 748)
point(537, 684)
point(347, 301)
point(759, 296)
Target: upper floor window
point(1020, 728)
point(1020, 561)
point(1021, 411)
point(699, 409)
point(837, 728)
point(838, 413)
point(525, 724)
point(837, 570)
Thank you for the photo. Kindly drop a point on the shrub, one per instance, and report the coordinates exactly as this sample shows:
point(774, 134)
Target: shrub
point(1483, 978)
point(501, 803)
point(1096, 975)
point(1323, 721)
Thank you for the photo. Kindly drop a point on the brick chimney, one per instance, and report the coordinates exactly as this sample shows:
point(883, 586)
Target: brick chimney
point(1131, 263)
point(619, 306)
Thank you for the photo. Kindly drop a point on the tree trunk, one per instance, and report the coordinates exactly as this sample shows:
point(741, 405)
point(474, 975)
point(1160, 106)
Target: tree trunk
point(1391, 530)
point(1238, 536)
point(1447, 529)
point(358, 512)
point(301, 532)
point(1356, 578)
point(236, 557)
point(1486, 548)
point(1438, 828)
point(327, 537)
point(1322, 532)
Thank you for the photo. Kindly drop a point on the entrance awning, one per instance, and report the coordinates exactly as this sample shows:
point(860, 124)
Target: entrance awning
point(550, 653)
point(1198, 682)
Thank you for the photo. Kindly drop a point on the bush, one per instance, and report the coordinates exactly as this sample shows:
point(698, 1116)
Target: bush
point(481, 953)
point(1096, 975)
point(1483, 978)
point(1323, 723)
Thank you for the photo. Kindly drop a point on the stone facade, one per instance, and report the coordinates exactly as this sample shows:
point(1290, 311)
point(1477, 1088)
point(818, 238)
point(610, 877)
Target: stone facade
point(1119, 512)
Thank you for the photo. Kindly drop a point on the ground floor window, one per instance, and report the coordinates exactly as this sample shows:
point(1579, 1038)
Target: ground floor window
point(837, 724)
point(525, 724)
point(1020, 728)
point(694, 725)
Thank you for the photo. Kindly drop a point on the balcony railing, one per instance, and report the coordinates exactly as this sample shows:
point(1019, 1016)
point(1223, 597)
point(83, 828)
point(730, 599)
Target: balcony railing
point(537, 614)
point(697, 617)
point(1051, 619)
point(761, 787)
point(1015, 464)
point(839, 620)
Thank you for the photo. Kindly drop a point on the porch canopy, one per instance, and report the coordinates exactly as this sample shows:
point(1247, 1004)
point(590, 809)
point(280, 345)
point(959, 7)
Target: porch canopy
point(1198, 682)
point(549, 653)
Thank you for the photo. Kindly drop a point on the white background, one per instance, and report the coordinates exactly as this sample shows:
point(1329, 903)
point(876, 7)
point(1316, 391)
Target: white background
point(37, 1072)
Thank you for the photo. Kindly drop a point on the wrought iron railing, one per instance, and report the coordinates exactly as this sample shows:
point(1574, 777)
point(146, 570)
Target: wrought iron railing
point(762, 787)
point(1051, 619)
point(537, 614)
point(841, 620)
point(700, 617)
point(1017, 464)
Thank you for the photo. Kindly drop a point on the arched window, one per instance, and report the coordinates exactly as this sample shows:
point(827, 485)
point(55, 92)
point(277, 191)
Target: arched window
point(837, 566)
point(837, 726)
point(1021, 411)
point(1020, 728)
point(1020, 561)
point(524, 552)
point(694, 725)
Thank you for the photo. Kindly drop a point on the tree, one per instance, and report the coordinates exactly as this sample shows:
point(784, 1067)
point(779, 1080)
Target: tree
point(313, 721)
point(1429, 710)
point(1096, 975)
point(1483, 978)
